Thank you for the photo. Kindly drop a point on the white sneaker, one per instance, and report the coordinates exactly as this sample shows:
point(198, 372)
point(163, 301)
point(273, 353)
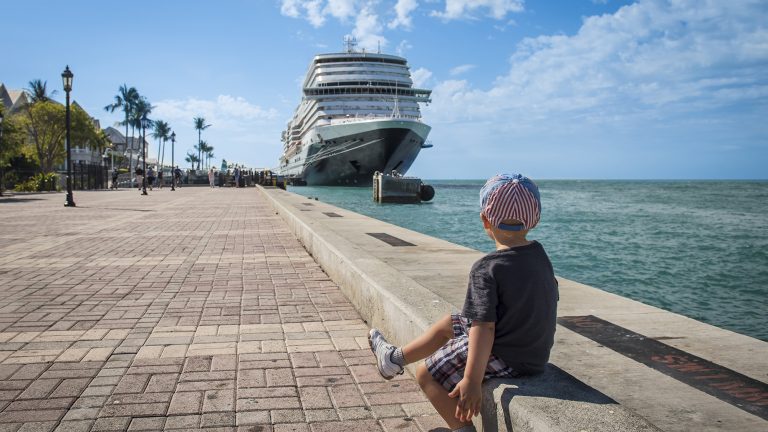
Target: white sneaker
point(383, 350)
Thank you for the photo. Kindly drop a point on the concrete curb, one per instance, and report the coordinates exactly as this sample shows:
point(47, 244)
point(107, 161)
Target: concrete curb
point(377, 291)
point(387, 299)
point(554, 401)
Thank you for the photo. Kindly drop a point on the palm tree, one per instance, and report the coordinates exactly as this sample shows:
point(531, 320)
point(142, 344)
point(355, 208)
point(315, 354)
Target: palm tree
point(204, 149)
point(199, 148)
point(192, 158)
point(141, 110)
point(38, 91)
point(161, 132)
point(200, 126)
point(209, 155)
point(126, 99)
point(207, 151)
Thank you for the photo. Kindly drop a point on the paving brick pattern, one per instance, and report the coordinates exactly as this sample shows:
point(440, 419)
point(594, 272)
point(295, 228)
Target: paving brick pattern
point(187, 310)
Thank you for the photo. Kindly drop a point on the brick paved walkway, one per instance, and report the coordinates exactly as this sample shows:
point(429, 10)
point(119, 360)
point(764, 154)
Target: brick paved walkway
point(186, 310)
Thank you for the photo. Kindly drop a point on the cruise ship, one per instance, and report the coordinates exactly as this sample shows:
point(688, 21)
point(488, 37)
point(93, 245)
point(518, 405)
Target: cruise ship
point(359, 114)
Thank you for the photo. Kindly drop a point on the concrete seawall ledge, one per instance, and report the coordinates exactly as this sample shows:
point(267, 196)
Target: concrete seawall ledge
point(402, 281)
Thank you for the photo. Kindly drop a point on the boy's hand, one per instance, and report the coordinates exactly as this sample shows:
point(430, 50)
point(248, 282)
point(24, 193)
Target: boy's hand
point(470, 399)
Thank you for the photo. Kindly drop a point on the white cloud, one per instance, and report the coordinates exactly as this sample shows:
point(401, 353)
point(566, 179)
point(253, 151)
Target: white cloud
point(315, 14)
point(645, 59)
point(225, 111)
point(341, 9)
point(311, 8)
point(238, 128)
point(467, 9)
point(368, 29)
point(290, 8)
point(402, 47)
point(654, 89)
point(403, 10)
point(420, 77)
point(458, 70)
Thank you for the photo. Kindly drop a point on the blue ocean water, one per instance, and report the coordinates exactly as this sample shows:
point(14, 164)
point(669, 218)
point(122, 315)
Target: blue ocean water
point(698, 248)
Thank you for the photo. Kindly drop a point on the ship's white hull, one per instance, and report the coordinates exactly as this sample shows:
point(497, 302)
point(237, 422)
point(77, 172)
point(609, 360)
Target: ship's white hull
point(348, 153)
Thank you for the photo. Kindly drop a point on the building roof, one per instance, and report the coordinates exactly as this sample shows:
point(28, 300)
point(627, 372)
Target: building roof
point(13, 100)
point(114, 135)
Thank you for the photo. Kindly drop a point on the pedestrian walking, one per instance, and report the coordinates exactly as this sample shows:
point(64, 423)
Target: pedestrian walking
point(114, 179)
point(139, 176)
point(211, 177)
point(150, 177)
point(160, 178)
point(177, 175)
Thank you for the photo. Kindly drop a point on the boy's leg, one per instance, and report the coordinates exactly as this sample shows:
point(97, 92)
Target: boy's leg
point(390, 359)
point(438, 396)
point(430, 341)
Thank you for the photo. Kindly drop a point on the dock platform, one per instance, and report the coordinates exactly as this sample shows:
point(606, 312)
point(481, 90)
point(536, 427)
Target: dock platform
point(230, 310)
point(677, 373)
point(189, 310)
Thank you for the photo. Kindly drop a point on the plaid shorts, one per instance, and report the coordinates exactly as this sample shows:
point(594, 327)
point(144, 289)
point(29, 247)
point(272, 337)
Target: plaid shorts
point(447, 364)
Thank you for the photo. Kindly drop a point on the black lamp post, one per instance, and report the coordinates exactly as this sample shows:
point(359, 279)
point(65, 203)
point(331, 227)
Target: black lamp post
point(173, 164)
point(66, 78)
point(144, 124)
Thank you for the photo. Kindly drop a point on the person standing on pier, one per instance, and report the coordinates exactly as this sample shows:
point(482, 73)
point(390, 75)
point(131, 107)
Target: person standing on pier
point(507, 325)
point(150, 177)
point(139, 176)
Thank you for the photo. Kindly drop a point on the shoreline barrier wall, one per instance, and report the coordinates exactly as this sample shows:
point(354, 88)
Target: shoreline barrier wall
point(407, 281)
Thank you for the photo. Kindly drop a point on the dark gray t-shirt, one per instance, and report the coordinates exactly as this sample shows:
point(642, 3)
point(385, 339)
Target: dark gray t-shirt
point(517, 289)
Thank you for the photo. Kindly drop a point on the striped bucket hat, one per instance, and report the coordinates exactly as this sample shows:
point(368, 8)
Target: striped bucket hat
point(511, 196)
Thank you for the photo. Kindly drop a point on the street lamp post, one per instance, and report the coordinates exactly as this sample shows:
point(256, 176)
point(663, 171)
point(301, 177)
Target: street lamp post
point(66, 78)
point(111, 153)
point(144, 124)
point(173, 164)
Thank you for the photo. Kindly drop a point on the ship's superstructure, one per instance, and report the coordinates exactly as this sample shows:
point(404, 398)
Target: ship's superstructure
point(359, 114)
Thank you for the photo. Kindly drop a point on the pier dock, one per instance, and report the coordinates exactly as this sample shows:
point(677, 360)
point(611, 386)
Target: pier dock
point(248, 309)
point(189, 310)
point(676, 373)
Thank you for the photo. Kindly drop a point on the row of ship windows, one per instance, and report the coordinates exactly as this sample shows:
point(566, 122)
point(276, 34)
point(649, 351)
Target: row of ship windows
point(369, 83)
point(296, 130)
point(348, 71)
point(363, 109)
point(316, 91)
point(359, 71)
point(360, 60)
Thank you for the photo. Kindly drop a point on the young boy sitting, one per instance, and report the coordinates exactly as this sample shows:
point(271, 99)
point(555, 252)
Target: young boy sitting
point(507, 326)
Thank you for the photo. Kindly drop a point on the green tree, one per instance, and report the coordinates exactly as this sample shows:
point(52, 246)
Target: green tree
point(11, 142)
point(125, 99)
point(38, 91)
point(45, 127)
point(209, 155)
point(192, 159)
point(161, 132)
point(203, 149)
point(200, 126)
point(207, 152)
point(141, 110)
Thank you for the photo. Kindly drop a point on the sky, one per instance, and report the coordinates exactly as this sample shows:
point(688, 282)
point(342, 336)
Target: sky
point(569, 89)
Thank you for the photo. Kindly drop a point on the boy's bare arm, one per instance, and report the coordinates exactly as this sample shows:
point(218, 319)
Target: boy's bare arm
point(469, 389)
